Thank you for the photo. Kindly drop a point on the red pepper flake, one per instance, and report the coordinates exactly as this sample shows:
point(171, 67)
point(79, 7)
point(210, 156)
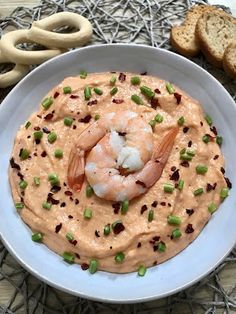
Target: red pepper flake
point(229, 184)
point(37, 128)
point(45, 130)
point(143, 73)
point(201, 123)
point(139, 245)
point(210, 187)
point(38, 115)
point(56, 94)
point(173, 168)
point(122, 77)
point(74, 127)
point(76, 201)
point(154, 103)
point(163, 203)
point(154, 204)
point(157, 91)
point(44, 154)
point(184, 163)
point(213, 130)
point(178, 97)
point(55, 188)
point(169, 204)
point(58, 228)
point(156, 238)
point(68, 193)
point(222, 170)
point(154, 263)
point(29, 136)
point(122, 133)
point(118, 228)
point(175, 175)
point(20, 175)
point(70, 216)
point(143, 209)
point(63, 204)
point(86, 119)
point(13, 164)
point(185, 129)
point(190, 143)
point(37, 141)
point(216, 157)
point(189, 229)
point(74, 242)
point(97, 233)
point(116, 207)
point(74, 96)
point(71, 198)
point(49, 116)
point(77, 255)
point(141, 183)
point(92, 102)
point(212, 138)
point(189, 211)
point(52, 200)
point(117, 101)
point(84, 266)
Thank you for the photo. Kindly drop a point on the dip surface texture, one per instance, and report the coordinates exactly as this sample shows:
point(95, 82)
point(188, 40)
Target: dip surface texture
point(147, 234)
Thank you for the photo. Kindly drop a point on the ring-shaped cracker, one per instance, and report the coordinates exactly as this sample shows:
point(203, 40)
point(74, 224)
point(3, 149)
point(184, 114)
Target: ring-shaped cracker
point(8, 46)
point(41, 33)
point(15, 75)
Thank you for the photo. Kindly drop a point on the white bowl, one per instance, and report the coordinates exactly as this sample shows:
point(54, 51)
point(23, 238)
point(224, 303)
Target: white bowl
point(200, 257)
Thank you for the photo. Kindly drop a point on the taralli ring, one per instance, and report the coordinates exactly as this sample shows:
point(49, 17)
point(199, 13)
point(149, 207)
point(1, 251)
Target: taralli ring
point(15, 75)
point(41, 33)
point(8, 47)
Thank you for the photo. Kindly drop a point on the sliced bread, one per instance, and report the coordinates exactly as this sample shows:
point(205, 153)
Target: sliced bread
point(229, 60)
point(214, 32)
point(183, 36)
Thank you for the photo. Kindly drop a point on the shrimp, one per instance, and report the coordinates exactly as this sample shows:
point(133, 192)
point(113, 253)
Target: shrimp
point(122, 163)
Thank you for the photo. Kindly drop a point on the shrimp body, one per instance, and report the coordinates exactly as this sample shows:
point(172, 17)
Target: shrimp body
point(119, 143)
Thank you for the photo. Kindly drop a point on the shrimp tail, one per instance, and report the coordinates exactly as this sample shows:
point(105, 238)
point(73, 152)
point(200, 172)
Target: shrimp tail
point(75, 173)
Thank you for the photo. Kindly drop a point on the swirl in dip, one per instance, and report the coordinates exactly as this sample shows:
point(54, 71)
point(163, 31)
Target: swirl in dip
point(81, 226)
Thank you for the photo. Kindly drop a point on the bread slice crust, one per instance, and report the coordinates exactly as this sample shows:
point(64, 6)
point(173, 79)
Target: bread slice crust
point(229, 60)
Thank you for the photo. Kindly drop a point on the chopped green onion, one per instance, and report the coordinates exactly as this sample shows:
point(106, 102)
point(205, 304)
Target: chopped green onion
point(107, 229)
point(174, 220)
point(83, 74)
point(212, 208)
point(24, 154)
point(19, 205)
point(152, 123)
point(37, 237)
point(69, 236)
point(181, 121)
point(23, 185)
point(170, 88)
point(58, 153)
point(181, 184)
point(97, 117)
point(89, 191)
point(47, 205)
point(68, 257)
point(67, 90)
point(169, 188)
point(159, 118)
point(88, 213)
point(219, 140)
point(113, 80)
point(119, 257)
point(87, 93)
point(124, 206)
point(93, 266)
point(208, 119)
point(137, 99)
point(53, 179)
point(161, 247)
point(38, 135)
point(191, 152)
point(186, 157)
point(201, 169)
point(113, 91)
point(206, 138)
point(37, 181)
point(199, 191)
point(147, 91)
point(52, 137)
point(135, 80)
point(28, 124)
point(150, 215)
point(47, 102)
point(224, 193)
point(183, 151)
point(176, 233)
point(68, 121)
point(142, 271)
point(98, 91)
